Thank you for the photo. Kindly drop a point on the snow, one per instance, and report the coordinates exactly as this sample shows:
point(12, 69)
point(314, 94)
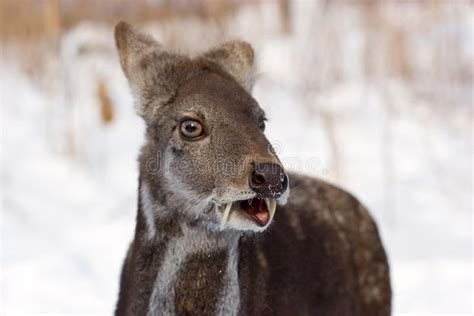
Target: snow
point(69, 182)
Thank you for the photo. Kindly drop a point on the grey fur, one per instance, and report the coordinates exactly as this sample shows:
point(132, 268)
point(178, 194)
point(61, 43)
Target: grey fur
point(322, 253)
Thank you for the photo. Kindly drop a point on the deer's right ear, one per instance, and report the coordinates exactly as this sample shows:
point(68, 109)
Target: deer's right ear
point(148, 68)
point(132, 46)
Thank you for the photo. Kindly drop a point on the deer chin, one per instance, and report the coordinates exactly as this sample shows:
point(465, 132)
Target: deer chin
point(254, 214)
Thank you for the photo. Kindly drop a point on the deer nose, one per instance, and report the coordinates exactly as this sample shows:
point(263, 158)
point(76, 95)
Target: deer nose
point(268, 180)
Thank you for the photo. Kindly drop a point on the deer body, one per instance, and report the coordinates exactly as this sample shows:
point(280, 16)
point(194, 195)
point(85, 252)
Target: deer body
point(209, 238)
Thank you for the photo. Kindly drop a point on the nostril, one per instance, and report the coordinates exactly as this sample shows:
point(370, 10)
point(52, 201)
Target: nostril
point(258, 179)
point(268, 179)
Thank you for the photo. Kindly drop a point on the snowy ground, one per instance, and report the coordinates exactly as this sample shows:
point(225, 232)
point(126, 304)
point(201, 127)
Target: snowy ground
point(68, 210)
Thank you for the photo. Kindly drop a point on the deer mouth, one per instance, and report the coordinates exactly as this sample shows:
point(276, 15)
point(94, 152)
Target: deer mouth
point(256, 209)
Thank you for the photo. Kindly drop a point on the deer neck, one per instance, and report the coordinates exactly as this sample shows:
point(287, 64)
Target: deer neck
point(190, 257)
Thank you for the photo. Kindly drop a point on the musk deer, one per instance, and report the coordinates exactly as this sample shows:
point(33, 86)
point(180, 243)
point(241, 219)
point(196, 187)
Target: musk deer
point(217, 231)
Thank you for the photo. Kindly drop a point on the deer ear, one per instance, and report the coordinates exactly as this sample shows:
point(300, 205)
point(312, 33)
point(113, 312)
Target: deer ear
point(237, 59)
point(132, 45)
point(151, 71)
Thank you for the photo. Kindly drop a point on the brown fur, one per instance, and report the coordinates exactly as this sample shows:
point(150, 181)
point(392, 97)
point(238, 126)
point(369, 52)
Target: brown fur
point(198, 276)
point(322, 254)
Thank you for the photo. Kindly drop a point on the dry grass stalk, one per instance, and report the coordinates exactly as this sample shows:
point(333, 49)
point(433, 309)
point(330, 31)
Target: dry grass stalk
point(106, 108)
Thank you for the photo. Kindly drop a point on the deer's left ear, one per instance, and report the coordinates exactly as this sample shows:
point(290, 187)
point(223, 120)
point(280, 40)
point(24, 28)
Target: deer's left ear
point(237, 59)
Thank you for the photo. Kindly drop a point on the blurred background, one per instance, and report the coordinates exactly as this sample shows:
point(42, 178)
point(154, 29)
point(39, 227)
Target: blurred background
point(375, 96)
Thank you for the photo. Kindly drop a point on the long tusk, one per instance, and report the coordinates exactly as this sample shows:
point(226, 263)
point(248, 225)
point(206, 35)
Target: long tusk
point(271, 206)
point(267, 203)
point(225, 216)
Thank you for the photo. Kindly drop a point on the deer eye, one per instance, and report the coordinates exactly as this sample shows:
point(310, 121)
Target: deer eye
point(191, 129)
